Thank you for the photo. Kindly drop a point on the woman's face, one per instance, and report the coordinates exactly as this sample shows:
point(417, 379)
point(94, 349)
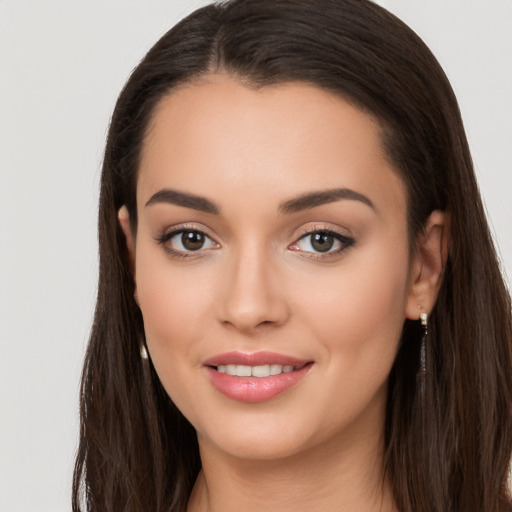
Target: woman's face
point(272, 265)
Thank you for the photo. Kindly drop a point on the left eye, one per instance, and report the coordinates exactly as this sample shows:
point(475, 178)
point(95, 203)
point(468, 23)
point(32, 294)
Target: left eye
point(189, 240)
point(322, 242)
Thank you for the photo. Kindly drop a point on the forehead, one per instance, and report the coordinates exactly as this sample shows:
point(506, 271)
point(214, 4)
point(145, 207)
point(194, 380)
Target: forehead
point(219, 135)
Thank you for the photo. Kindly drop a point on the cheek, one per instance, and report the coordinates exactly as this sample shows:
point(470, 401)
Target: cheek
point(358, 310)
point(356, 315)
point(174, 311)
point(167, 299)
point(175, 308)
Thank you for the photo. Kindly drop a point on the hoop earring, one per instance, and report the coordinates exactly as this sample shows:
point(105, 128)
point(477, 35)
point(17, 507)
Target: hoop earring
point(423, 350)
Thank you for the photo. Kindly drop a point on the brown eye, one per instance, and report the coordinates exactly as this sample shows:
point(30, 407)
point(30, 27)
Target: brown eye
point(192, 240)
point(186, 241)
point(322, 242)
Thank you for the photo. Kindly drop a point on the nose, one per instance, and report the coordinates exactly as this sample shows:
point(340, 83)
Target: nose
point(253, 293)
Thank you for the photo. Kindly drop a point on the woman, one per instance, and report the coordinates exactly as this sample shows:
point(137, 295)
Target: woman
point(300, 306)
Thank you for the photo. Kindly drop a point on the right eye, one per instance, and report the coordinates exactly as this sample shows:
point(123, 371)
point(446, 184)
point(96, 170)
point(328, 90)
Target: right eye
point(184, 242)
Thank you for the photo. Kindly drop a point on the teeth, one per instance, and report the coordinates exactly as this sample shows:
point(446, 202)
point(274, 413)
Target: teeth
point(261, 371)
point(243, 371)
point(265, 370)
point(276, 369)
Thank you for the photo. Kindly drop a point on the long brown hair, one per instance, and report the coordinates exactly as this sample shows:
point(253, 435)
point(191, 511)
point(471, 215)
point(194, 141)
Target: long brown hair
point(448, 435)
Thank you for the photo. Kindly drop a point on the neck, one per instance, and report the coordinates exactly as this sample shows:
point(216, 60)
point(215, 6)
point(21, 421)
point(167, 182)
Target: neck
point(340, 475)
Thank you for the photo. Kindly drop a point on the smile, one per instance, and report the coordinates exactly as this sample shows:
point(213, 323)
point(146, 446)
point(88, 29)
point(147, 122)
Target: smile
point(265, 370)
point(255, 377)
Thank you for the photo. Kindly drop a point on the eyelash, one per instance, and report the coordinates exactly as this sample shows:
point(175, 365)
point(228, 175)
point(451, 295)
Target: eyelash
point(177, 253)
point(344, 241)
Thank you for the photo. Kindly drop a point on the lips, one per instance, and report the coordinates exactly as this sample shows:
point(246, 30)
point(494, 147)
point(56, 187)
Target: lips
point(255, 377)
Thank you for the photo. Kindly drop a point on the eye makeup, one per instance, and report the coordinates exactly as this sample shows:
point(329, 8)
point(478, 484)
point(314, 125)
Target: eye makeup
point(319, 243)
point(322, 243)
point(186, 241)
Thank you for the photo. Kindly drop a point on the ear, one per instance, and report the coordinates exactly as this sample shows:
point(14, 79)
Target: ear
point(124, 221)
point(427, 265)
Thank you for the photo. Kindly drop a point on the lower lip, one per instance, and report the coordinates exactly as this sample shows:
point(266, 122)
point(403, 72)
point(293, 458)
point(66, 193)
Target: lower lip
point(255, 389)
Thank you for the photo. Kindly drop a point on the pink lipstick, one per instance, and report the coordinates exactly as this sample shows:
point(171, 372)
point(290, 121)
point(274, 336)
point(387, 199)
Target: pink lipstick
point(255, 377)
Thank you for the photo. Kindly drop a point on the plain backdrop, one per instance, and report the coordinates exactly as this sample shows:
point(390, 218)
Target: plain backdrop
point(62, 65)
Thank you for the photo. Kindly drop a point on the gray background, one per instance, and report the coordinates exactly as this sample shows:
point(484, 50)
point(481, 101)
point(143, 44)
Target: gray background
point(62, 65)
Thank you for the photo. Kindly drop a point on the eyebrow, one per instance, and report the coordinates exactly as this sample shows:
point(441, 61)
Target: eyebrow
point(297, 204)
point(314, 199)
point(184, 199)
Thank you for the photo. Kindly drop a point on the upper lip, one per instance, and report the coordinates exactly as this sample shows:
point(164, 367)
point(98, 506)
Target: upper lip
point(255, 359)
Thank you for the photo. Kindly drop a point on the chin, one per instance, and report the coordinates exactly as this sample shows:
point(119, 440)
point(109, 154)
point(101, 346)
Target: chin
point(258, 446)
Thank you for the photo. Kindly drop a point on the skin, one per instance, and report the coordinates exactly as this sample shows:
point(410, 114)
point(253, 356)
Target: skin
point(258, 284)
